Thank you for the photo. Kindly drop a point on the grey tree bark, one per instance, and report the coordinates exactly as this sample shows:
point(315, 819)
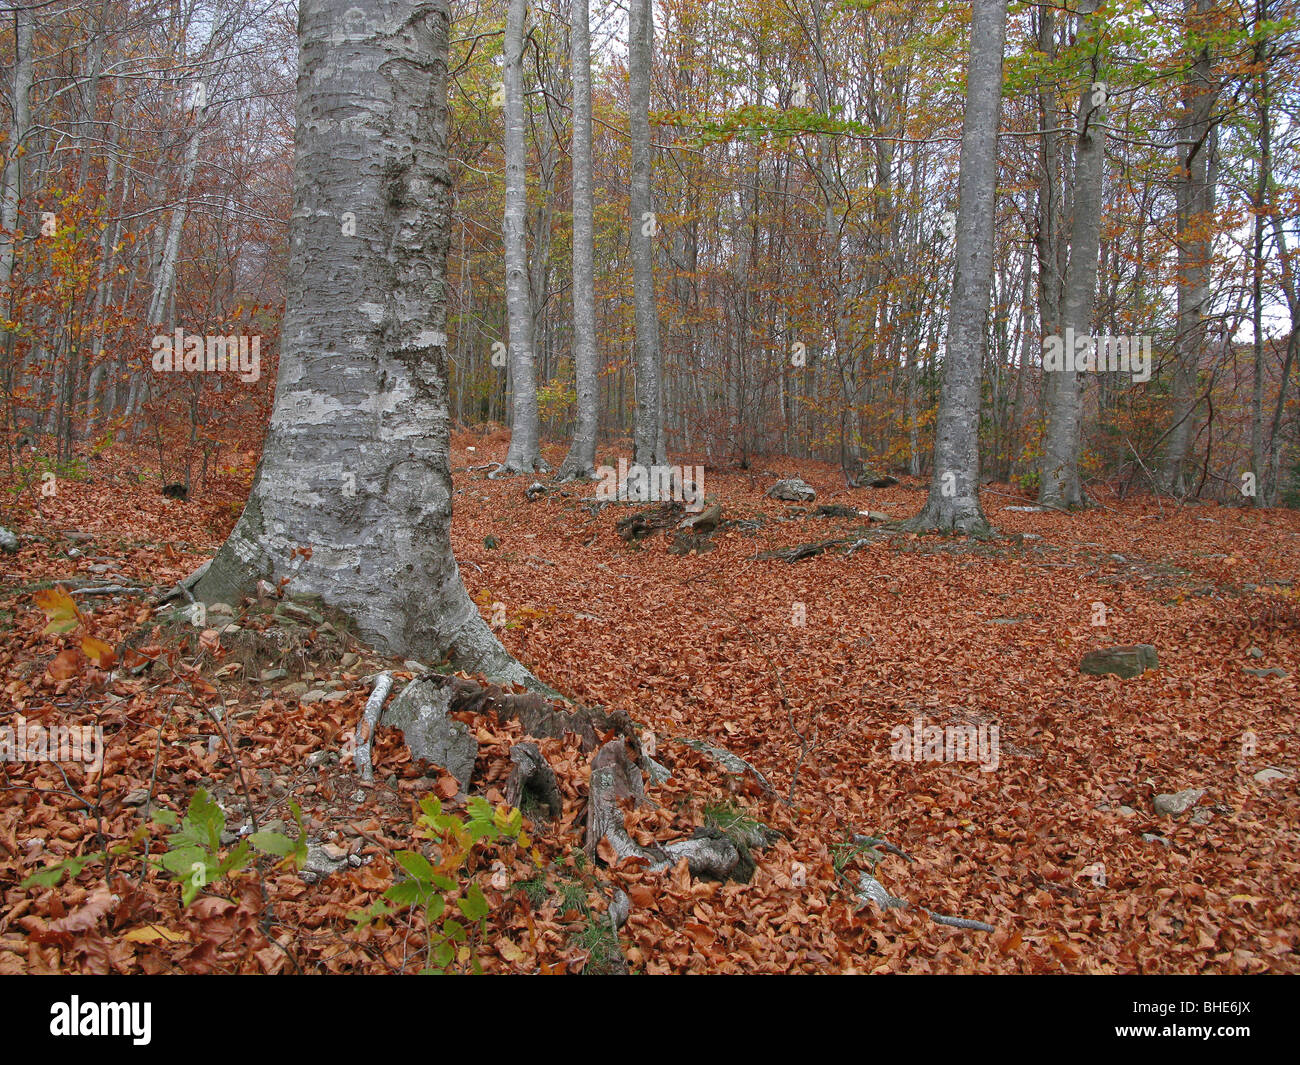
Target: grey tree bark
point(355, 465)
point(1058, 484)
point(10, 187)
point(1195, 200)
point(21, 121)
point(954, 504)
point(649, 446)
point(524, 455)
point(580, 463)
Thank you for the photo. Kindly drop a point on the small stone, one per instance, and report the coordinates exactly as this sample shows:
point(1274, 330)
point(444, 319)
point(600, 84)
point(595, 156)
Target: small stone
point(312, 697)
point(1173, 804)
point(269, 675)
point(1269, 775)
point(359, 795)
point(1128, 661)
point(1272, 671)
point(223, 610)
point(334, 852)
point(1254, 652)
point(136, 797)
point(319, 758)
point(336, 697)
point(1127, 811)
point(414, 666)
point(349, 660)
point(1202, 815)
point(298, 688)
point(1151, 837)
point(8, 541)
point(100, 569)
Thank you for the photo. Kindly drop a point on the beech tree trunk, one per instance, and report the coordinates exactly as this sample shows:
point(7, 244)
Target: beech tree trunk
point(1195, 201)
point(953, 504)
point(581, 460)
point(649, 445)
point(1058, 484)
point(524, 455)
point(355, 465)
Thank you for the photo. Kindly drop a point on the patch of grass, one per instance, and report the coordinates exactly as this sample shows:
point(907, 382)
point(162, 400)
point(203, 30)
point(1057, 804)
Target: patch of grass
point(534, 888)
point(598, 938)
point(733, 821)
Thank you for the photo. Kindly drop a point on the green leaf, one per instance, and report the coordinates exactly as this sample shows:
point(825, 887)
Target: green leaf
point(416, 864)
point(443, 954)
point(473, 905)
point(276, 843)
point(406, 894)
point(479, 808)
point(180, 861)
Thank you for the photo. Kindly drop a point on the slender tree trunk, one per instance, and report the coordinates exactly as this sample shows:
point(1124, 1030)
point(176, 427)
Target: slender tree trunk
point(581, 459)
point(1195, 201)
point(1058, 484)
point(649, 447)
point(524, 455)
point(953, 504)
point(352, 498)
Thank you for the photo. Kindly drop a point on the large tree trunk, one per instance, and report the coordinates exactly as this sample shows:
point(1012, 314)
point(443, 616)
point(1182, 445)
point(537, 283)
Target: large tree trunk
point(1058, 484)
point(524, 455)
point(581, 460)
point(953, 504)
point(1195, 201)
point(355, 465)
point(10, 186)
point(649, 446)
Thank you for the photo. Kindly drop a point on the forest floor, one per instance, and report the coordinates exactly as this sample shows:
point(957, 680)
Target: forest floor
point(804, 669)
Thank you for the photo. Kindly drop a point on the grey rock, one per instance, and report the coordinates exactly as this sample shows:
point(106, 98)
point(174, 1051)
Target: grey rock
point(136, 797)
point(1151, 837)
point(1172, 804)
point(320, 864)
point(1272, 671)
point(1271, 774)
point(1254, 652)
point(793, 490)
point(8, 541)
point(1128, 661)
point(269, 675)
point(421, 712)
